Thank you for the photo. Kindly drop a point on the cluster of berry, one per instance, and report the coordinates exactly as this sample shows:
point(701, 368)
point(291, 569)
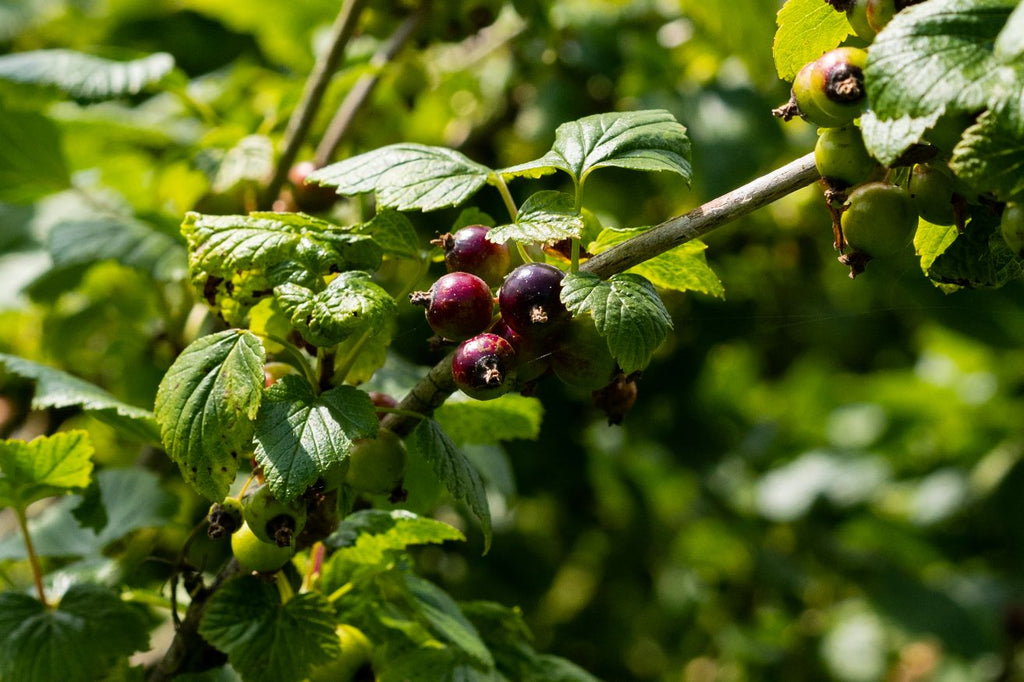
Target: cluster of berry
point(534, 334)
point(874, 209)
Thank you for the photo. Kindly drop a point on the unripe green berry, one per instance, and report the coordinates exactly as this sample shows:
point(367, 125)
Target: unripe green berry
point(806, 104)
point(377, 465)
point(931, 189)
point(880, 219)
point(1012, 227)
point(837, 83)
point(841, 158)
point(254, 554)
point(272, 520)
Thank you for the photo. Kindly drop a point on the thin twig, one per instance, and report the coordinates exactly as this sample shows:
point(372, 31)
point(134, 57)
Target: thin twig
point(435, 388)
point(33, 558)
point(361, 91)
point(703, 219)
point(312, 95)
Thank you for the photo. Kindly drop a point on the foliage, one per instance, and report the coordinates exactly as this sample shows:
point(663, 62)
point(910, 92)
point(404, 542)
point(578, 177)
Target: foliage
point(819, 479)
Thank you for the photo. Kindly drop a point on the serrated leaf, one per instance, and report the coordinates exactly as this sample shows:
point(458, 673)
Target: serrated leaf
point(32, 162)
point(85, 76)
point(55, 388)
point(351, 302)
point(979, 258)
point(265, 640)
point(300, 435)
point(428, 440)
point(627, 312)
point(76, 642)
point(683, 268)
point(393, 232)
point(807, 30)
point(366, 536)
point(936, 56)
point(490, 421)
point(371, 354)
point(930, 241)
point(887, 139)
point(130, 498)
point(407, 176)
point(445, 619)
point(43, 467)
point(223, 245)
point(1010, 42)
point(206, 405)
point(129, 242)
point(650, 140)
point(990, 155)
point(546, 216)
point(250, 161)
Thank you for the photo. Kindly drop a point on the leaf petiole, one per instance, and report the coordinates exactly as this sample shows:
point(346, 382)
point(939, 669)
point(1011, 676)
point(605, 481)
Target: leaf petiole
point(33, 558)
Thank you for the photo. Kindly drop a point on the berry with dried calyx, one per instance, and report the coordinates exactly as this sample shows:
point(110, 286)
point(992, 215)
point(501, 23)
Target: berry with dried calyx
point(458, 306)
point(837, 83)
point(530, 299)
point(532, 356)
point(482, 367)
point(469, 250)
point(224, 517)
point(802, 103)
point(272, 520)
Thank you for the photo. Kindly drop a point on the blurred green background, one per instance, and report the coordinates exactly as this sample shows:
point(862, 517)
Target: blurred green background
point(821, 478)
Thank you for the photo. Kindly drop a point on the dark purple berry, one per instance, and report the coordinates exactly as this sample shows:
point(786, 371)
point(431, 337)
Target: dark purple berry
point(530, 301)
point(468, 250)
point(311, 198)
point(459, 305)
point(532, 358)
point(482, 366)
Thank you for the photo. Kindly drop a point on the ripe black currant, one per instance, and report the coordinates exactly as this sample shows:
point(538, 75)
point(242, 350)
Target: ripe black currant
point(459, 305)
point(532, 357)
point(530, 301)
point(469, 250)
point(482, 366)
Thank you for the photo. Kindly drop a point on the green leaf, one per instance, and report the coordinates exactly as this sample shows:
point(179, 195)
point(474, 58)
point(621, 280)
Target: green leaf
point(55, 388)
point(990, 156)
point(979, 258)
point(85, 76)
point(684, 268)
point(130, 499)
point(545, 217)
point(46, 466)
point(936, 56)
point(129, 242)
point(366, 536)
point(352, 302)
point(250, 162)
point(300, 435)
point(1010, 42)
point(32, 162)
point(223, 245)
point(428, 664)
point(76, 642)
point(887, 139)
point(930, 241)
point(650, 140)
point(393, 232)
point(407, 176)
point(463, 481)
point(265, 640)
point(490, 421)
point(206, 405)
point(807, 30)
point(371, 354)
point(627, 312)
point(443, 616)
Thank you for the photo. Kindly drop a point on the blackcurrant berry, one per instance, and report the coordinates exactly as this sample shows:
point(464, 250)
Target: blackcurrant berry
point(459, 305)
point(382, 400)
point(482, 366)
point(868, 17)
point(879, 221)
point(469, 250)
point(530, 301)
point(837, 83)
point(311, 198)
point(254, 554)
point(377, 465)
point(581, 356)
point(803, 103)
point(931, 189)
point(841, 158)
point(532, 357)
point(1012, 227)
point(224, 518)
point(272, 520)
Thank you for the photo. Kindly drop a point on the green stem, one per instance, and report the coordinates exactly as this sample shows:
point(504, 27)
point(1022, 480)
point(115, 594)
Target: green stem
point(324, 368)
point(297, 356)
point(506, 196)
point(574, 265)
point(33, 558)
point(401, 412)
